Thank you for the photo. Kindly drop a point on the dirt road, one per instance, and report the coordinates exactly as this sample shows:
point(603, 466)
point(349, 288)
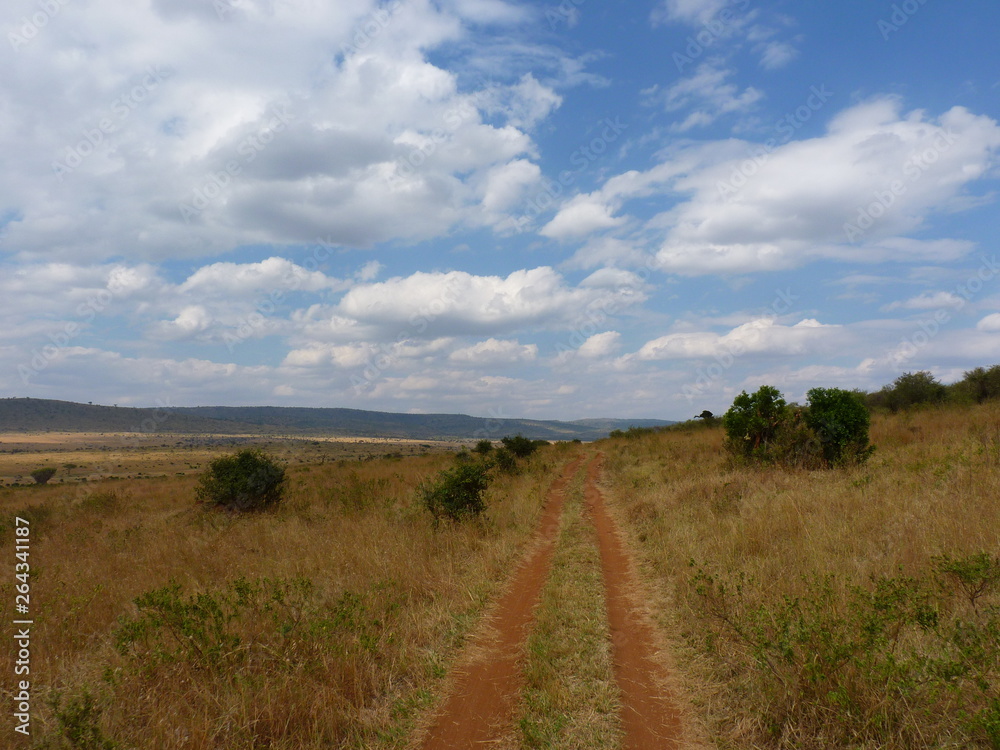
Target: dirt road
point(483, 700)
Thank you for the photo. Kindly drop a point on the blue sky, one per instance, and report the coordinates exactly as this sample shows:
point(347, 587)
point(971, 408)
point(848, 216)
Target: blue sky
point(497, 208)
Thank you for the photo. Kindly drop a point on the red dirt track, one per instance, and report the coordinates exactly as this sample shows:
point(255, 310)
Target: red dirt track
point(650, 718)
point(482, 703)
point(482, 700)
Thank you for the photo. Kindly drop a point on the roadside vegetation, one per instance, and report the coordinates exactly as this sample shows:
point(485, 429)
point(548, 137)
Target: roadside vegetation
point(326, 621)
point(814, 608)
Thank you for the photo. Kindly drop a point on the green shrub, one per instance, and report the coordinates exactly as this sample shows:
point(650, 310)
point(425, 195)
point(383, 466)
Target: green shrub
point(521, 446)
point(908, 390)
point(41, 476)
point(483, 447)
point(753, 421)
point(840, 419)
point(504, 461)
point(458, 492)
point(246, 481)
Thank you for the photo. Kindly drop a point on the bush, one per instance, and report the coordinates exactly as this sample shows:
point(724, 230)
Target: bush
point(504, 461)
point(521, 446)
point(458, 492)
point(41, 476)
point(246, 481)
point(908, 390)
point(483, 447)
point(830, 431)
point(840, 419)
point(753, 421)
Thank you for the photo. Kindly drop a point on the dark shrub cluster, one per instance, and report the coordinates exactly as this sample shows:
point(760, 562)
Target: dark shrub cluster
point(245, 481)
point(832, 429)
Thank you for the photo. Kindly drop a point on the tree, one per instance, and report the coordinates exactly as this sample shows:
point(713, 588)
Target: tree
point(840, 420)
point(245, 481)
point(458, 492)
point(753, 421)
point(483, 447)
point(41, 476)
point(911, 389)
point(706, 415)
point(521, 446)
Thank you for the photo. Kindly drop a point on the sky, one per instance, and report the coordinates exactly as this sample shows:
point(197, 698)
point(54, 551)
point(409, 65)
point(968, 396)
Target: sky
point(498, 208)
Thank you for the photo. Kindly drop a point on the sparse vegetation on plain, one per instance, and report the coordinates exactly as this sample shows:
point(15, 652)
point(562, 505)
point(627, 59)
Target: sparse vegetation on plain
point(814, 594)
point(327, 622)
point(814, 609)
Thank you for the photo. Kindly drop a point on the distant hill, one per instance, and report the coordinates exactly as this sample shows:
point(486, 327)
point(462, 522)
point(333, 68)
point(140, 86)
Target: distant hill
point(34, 415)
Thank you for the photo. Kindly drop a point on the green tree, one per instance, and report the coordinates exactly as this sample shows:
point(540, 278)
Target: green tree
point(753, 422)
point(911, 389)
point(483, 447)
point(245, 481)
point(840, 420)
point(521, 446)
point(458, 492)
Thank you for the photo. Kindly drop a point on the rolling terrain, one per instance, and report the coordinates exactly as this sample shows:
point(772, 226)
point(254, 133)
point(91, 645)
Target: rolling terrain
point(35, 415)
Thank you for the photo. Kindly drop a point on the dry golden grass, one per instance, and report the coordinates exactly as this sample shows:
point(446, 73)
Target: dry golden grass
point(350, 662)
point(930, 489)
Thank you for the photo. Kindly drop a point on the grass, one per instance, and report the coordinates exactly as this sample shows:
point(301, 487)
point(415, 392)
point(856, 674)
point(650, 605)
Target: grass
point(327, 622)
point(571, 699)
point(811, 608)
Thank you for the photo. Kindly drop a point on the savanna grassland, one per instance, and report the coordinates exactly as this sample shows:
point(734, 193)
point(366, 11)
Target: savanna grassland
point(329, 621)
point(853, 607)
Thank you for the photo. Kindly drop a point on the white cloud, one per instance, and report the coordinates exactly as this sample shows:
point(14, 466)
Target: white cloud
point(582, 215)
point(261, 123)
point(927, 301)
point(777, 55)
point(990, 324)
point(600, 345)
point(494, 352)
point(711, 96)
point(800, 200)
point(459, 302)
point(761, 336)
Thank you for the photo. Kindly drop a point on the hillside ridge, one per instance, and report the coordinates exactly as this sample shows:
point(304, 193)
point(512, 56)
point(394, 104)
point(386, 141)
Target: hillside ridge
point(35, 415)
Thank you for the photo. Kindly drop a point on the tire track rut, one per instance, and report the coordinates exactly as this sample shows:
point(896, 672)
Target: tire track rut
point(481, 705)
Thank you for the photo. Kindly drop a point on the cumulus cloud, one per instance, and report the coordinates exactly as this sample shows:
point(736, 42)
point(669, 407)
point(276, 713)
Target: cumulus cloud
point(457, 302)
point(990, 324)
point(255, 122)
point(761, 336)
point(854, 193)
